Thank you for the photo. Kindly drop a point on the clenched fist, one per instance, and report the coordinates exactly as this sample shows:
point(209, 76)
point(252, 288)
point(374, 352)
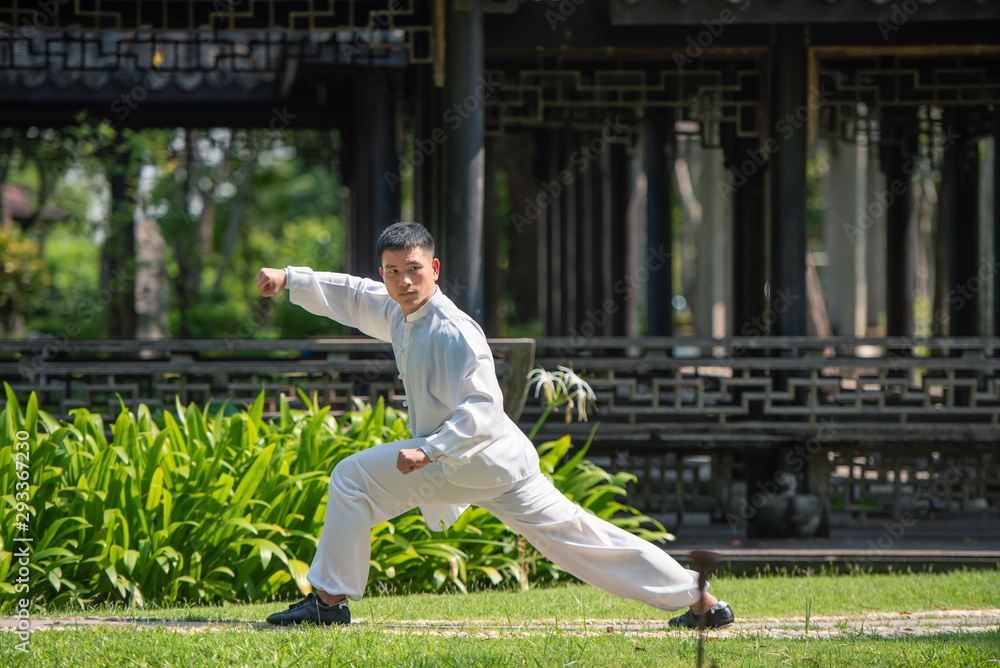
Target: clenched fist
point(270, 281)
point(411, 459)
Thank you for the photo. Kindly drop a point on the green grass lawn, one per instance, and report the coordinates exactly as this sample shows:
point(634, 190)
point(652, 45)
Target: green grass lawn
point(759, 596)
point(374, 645)
point(368, 646)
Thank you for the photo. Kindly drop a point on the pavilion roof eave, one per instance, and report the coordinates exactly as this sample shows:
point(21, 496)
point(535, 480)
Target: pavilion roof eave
point(673, 12)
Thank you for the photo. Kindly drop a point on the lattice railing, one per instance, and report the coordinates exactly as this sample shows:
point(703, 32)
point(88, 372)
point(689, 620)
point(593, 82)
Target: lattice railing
point(856, 388)
point(945, 481)
point(648, 389)
point(907, 426)
point(101, 375)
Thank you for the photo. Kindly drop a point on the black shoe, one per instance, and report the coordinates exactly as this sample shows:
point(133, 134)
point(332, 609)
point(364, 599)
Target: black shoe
point(718, 615)
point(311, 609)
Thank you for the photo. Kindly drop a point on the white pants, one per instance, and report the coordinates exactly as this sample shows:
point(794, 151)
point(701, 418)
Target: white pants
point(367, 489)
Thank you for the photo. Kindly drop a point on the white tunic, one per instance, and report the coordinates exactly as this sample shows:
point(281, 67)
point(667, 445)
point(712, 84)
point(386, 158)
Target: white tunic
point(453, 396)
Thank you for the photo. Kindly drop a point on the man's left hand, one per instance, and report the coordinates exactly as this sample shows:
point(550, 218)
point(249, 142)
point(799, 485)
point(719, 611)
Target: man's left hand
point(409, 460)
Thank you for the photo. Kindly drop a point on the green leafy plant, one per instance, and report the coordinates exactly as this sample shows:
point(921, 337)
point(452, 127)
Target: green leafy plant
point(205, 506)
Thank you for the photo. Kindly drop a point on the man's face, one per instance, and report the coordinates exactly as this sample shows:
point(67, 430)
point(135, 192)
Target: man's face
point(410, 277)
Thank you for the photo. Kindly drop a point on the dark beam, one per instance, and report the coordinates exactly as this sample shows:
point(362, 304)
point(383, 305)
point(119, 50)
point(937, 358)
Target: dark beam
point(542, 24)
point(715, 16)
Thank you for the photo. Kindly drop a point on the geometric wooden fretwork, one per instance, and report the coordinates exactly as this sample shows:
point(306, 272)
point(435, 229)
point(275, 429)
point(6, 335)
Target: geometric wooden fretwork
point(868, 83)
point(584, 89)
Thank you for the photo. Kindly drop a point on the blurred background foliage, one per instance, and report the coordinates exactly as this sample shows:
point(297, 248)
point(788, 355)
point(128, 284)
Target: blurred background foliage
point(210, 208)
point(184, 217)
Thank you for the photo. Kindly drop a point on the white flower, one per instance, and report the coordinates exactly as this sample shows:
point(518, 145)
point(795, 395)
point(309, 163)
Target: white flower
point(551, 383)
point(563, 386)
point(579, 392)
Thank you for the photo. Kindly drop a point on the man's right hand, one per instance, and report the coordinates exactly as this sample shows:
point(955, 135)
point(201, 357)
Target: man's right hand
point(270, 281)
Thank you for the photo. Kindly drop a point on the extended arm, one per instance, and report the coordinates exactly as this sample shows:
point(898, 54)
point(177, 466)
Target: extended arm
point(352, 301)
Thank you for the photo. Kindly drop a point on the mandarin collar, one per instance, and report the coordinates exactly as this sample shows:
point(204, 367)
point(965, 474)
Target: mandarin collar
point(425, 309)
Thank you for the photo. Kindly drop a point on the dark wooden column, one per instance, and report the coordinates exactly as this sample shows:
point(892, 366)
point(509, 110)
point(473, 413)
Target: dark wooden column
point(657, 144)
point(605, 212)
point(588, 309)
point(749, 278)
point(520, 157)
point(567, 231)
point(779, 493)
point(746, 161)
point(616, 211)
point(427, 175)
point(749, 234)
point(790, 104)
point(493, 274)
point(897, 163)
point(554, 254)
point(787, 283)
point(960, 220)
point(464, 98)
point(994, 276)
point(118, 268)
point(548, 290)
point(374, 170)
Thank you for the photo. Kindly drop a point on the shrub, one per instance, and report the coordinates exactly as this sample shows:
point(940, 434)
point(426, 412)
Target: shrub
point(208, 507)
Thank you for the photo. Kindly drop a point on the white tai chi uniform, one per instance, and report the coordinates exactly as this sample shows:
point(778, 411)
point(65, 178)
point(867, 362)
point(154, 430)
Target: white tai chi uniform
point(480, 456)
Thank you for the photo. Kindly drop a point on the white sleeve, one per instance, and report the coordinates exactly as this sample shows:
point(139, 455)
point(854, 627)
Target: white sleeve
point(465, 379)
point(356, 302)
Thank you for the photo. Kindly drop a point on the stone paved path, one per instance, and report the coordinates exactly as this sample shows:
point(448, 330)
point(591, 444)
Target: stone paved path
point(881, 624)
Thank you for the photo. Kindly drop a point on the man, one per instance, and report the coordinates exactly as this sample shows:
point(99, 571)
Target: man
point(465, 449)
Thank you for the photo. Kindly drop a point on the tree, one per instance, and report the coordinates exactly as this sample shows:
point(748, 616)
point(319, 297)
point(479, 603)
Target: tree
point(23, 276)
point(194, 190)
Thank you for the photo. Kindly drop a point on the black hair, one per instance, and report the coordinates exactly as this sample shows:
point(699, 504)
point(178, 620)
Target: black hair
point(404, 236)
